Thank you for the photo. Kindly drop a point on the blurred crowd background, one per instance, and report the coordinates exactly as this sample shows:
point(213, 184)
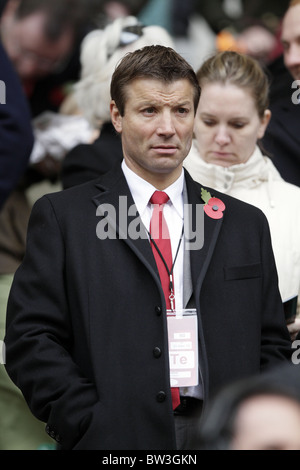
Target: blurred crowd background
point(197, 28)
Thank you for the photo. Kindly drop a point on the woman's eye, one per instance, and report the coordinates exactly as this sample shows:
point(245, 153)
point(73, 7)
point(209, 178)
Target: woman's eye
point(209, 122)
point(238, 125)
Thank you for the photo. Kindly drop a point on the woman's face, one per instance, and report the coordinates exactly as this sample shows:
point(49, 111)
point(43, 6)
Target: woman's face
point(227, 124)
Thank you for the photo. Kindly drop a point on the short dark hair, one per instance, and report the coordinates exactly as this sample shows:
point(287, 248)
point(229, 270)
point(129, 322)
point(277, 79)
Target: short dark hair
point(157, 62)
point(60, 14)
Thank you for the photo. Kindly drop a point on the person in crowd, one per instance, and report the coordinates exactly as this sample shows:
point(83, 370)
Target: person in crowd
point(257, 413)
point(113, 9)
point(240, 14)
point(42, 40)
point(289, 36)
point(107, 292)
point(19, 429)
point(231, 119)
point(39, 39)
point(16, 135)
point(282, 139)
point(101, 50)
point(16, 141)
point(248, 26)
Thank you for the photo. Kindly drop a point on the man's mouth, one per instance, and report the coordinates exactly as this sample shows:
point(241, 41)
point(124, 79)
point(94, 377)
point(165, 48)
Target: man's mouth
point(165, 149)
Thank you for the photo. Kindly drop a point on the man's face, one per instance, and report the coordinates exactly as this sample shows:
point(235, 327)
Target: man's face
point(291, 41)
point(156, 129)
point(32, 54)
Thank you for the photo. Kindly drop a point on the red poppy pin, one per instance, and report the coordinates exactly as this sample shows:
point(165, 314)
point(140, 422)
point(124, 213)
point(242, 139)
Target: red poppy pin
point(213, 207)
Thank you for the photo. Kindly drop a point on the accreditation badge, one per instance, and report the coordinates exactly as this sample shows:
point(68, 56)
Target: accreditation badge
point(183, 347)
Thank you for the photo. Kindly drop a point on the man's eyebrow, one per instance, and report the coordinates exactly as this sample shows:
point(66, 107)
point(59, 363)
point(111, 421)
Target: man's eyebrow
point(185, 103)
point(147, 102)
point(155, 102)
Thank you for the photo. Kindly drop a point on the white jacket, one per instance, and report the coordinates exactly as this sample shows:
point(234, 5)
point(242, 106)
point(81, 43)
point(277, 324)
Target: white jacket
point(258, 182)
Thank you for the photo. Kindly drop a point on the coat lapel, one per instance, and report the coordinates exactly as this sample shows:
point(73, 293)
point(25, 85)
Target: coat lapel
point(200, 258)
point(187, 275)
point(114, 202)
point(114, 193)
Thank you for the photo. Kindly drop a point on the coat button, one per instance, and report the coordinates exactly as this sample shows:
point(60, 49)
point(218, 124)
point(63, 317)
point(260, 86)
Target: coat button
point(158, 311)
point(160, 397)
point(157, 352)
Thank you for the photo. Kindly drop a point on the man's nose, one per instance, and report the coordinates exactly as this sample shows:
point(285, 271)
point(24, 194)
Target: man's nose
point(166, 124)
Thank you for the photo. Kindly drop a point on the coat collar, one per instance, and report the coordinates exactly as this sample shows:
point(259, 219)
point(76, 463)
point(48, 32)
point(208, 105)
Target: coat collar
point(114, 194)
point(258, 170)
point(113, 185)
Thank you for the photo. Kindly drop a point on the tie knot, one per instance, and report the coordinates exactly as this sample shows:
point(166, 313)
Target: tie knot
point(159, 197)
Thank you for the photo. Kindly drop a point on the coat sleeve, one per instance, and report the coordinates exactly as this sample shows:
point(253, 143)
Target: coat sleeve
point(39, 334)
point(275, 338)
point(16, 135)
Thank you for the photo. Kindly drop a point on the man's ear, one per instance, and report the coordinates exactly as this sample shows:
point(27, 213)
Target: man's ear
point(116, 117)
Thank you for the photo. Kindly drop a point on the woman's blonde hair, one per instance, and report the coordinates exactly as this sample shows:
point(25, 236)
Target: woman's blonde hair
point(237, 69)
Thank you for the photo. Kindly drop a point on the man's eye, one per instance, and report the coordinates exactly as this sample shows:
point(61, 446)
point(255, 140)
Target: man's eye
point(149, 110)
point(183, 110)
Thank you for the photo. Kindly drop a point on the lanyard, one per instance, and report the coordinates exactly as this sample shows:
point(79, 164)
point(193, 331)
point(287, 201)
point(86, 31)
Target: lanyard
point(170, 273)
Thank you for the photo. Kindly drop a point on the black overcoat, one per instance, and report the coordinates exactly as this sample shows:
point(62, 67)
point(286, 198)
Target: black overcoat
point(86, 316)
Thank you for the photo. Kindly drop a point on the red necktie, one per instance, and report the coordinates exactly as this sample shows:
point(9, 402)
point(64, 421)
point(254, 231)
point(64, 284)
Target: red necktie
point(160, 234)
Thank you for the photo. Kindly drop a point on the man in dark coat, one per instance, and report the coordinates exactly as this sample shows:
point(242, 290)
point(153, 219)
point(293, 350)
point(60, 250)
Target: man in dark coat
point(88, 336)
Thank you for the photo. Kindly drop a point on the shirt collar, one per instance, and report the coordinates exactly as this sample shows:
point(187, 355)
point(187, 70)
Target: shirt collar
point(142, 191)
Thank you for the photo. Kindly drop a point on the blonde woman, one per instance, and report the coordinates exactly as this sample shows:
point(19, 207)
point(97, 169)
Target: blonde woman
point(231, 118)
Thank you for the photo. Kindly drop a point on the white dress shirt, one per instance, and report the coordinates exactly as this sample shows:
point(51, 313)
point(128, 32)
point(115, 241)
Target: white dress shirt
point(173, 211)
point(141, 192)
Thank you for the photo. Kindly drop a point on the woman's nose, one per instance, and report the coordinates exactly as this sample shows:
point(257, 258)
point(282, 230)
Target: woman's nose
point(222, 136)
